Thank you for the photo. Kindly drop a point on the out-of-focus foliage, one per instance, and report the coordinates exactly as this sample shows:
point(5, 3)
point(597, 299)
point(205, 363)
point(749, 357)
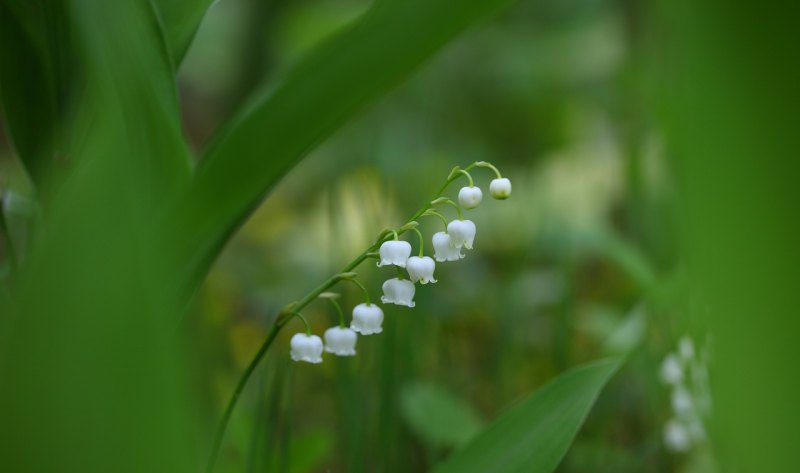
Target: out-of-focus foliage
point(603, 114)
point(557, 409)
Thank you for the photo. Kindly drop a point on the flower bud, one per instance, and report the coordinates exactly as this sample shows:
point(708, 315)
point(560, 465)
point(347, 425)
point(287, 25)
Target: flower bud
point(306, 348)
point(394, 252)
point(340, 341)
point(443, 249)
point(398, 291)
point(470, 197)
point(421, 269)
point(367, 319)
point(500, 188)
point(462, 233)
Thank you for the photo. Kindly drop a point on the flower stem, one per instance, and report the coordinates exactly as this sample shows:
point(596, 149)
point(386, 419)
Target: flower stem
point(445, 200)
point(339, 311)
point(435, 213)
point(421, 242)
point(305, 322)
point(484, 164)
point(287, 312)
point(471, 183)
point(238, 391)
point(363, 289)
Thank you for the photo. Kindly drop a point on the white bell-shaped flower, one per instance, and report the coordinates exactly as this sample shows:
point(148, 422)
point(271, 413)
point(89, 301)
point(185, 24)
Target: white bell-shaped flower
point(443, 250)
point(367, 319)
point(470, 197)
point(398, 291)
point(500, 188)
point(420, 269)
point(677, 436)
point(682, 402)
point(395, 252)
point(671, 370)
point(340, 341)
point(306, 348)
point(462, 233)
point(686, 348)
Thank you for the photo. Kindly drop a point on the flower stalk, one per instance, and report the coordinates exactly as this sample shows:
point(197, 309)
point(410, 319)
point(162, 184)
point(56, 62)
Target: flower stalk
point(346, 273)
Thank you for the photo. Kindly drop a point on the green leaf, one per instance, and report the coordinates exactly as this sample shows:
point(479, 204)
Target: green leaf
point(34, 52)
point(85, 357)
point(534, 435)
point(180, 20)
point(141, 83)
point(439, 417)
point(275, 130)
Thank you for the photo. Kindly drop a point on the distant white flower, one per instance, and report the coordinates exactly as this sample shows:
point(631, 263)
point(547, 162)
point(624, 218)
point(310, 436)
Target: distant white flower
point(398, 291)
point(696, 430)
point(671, 370)
point(395, 252)
point(340, 341)
point(500, 188)
point(470, 197)
point(676, 436)
point(443, 249)
point(306, 348)
point(420, 269)
point(682, 402)
point(686, 349)
point(462, 233)
point(367, 319)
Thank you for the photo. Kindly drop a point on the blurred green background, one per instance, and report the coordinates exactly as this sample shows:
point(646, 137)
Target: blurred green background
point(562, 273)
point(647, 145)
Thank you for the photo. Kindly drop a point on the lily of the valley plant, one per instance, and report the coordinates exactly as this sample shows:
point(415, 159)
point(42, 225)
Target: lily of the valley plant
point(390, 250)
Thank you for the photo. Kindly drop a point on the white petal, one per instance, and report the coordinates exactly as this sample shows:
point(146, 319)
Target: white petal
point(470, 197)
point(340, 341)
point(443, 250)
point(500, 188)
point(367, 319)
point(394, 252)
point(399, 292)
point(306, 348)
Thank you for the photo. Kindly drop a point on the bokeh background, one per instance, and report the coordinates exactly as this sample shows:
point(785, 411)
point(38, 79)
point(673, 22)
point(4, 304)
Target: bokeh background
point(647, 144)
point(567, 270)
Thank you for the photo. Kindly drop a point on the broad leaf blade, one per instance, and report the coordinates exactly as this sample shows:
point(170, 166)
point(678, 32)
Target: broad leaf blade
point(274, 131)
point(533, 436)
point(437, 416)
point(180, 20)
point(34, 49)
point(142, 84)
point(85, 358)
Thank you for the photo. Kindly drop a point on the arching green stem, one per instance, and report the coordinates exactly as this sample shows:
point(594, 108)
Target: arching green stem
point(435, 213)
point(287, 313)
point(471, 184)
point(338, 311)
point(445, 200)
point(421, 242)
point(305, 322)
point(363, 289)
point(485, 164)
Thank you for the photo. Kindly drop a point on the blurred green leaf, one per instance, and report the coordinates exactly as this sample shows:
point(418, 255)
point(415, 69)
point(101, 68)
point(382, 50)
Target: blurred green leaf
point(33, 51)
point(180, 20)
point(144, 85)
point(440, 418)
point(534, 435)
point(85, 357)
point(276, 129)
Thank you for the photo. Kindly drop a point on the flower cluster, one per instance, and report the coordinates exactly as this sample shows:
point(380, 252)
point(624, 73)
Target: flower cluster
point(686, 373)
point(448, 246)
